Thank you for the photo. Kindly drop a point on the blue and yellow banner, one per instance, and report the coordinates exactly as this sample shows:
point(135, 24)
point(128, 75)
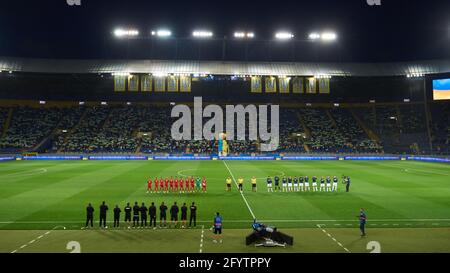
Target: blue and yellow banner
point(146, 83)
point(256, 84)
point(185, 84)
point(324, 86)
point(311, 85)
point(271, 84)
point(283, 83)
point(172, 84)
point(297, 85)
point(441, 89)
point(133, 83)
point(160, 84)
point(120, 83)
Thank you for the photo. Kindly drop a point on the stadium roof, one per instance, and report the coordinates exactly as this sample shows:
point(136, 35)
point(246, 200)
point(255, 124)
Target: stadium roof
point(223, 68)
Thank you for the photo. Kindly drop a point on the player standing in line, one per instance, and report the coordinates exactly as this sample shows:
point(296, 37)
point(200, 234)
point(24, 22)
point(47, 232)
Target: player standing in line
point(290, 183)
point(149, 185)
point(284, 180)
point(314, 183)
point(181, 185)
point(228, 182)
point(192, 184)
point(241, 184)
point(277, 183)
point(128, 210)
point(217, 228)
point(198, 183)
point(301, 179)
point(156, 185)
point(269, 184)
point(306, 183)
point(322, 183)
point(328, 184)
point(204, 185)
point(335, 183)
point(253, 181)
point(175, 184)
point(295, 183)
point(166, 185)
point(171, 181)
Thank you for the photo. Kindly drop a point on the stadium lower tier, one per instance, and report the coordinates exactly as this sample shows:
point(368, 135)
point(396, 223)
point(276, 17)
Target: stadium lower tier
point(371, 128)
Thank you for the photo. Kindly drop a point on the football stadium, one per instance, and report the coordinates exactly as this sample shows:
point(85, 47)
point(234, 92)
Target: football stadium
point(154, 140)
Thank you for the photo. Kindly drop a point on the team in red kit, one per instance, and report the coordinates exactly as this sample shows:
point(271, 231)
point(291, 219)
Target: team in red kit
point(176, 185)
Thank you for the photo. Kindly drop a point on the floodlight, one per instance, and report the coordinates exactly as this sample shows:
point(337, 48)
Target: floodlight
point(329, 36)
point(119, 32)
point(202, 34)
point(314, 36)
point(162, 33)
point(284, 35)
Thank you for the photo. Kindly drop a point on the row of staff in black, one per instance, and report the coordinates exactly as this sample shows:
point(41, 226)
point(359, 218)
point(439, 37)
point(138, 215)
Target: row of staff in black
point(139, 215)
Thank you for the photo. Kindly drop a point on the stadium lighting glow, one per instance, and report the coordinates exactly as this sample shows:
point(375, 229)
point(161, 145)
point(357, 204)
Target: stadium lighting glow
point(162, 33)
point(314, 36)
point(42, 102)
point(242, 35)
point(202, 34)
point(415, 75)
point(125, 32)
point(284, 35)
point(81, 103)
point(104, 103)
point(329, 36)
point(121, 74)
point(160, 74)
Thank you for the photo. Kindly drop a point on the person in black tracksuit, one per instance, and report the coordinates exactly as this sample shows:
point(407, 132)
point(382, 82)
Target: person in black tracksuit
point(128, 210)
point(162, 214)
point(193, 217)
point(103, 210)
point(136, 211)
point(143, 215)
point(89, 215)
point(183, 215)
point(174, 214)
point(152, 214)
point(117, 212)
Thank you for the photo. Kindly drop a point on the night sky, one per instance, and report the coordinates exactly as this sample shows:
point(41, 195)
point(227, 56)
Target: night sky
point(395, 31)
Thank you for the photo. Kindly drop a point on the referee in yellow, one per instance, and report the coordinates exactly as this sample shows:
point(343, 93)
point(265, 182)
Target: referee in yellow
point(240, 183)
point(228, 181)
point(253, 180)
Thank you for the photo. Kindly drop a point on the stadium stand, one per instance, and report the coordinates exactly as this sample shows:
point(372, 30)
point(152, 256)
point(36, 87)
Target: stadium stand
point(441, 128)
point(119, 128)
point(28, 127)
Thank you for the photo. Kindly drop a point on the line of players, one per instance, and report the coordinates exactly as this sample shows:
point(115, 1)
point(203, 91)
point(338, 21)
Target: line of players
point(180, 185)
point(298, 184)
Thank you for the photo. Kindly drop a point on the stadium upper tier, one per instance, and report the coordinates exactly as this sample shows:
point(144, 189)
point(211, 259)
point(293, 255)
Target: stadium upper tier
point(370, 128)
point(427, 67)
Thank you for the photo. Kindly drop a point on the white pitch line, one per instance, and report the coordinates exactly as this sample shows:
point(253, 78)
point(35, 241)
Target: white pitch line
point(334, 239)
point(246, 221)
point(36, 239)
point(242, 194)
point(201, 239)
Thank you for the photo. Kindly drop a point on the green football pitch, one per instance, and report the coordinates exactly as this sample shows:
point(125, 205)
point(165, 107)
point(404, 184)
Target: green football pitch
point(407, 204)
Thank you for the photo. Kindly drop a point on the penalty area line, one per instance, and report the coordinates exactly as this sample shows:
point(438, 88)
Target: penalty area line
point(242, 194)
